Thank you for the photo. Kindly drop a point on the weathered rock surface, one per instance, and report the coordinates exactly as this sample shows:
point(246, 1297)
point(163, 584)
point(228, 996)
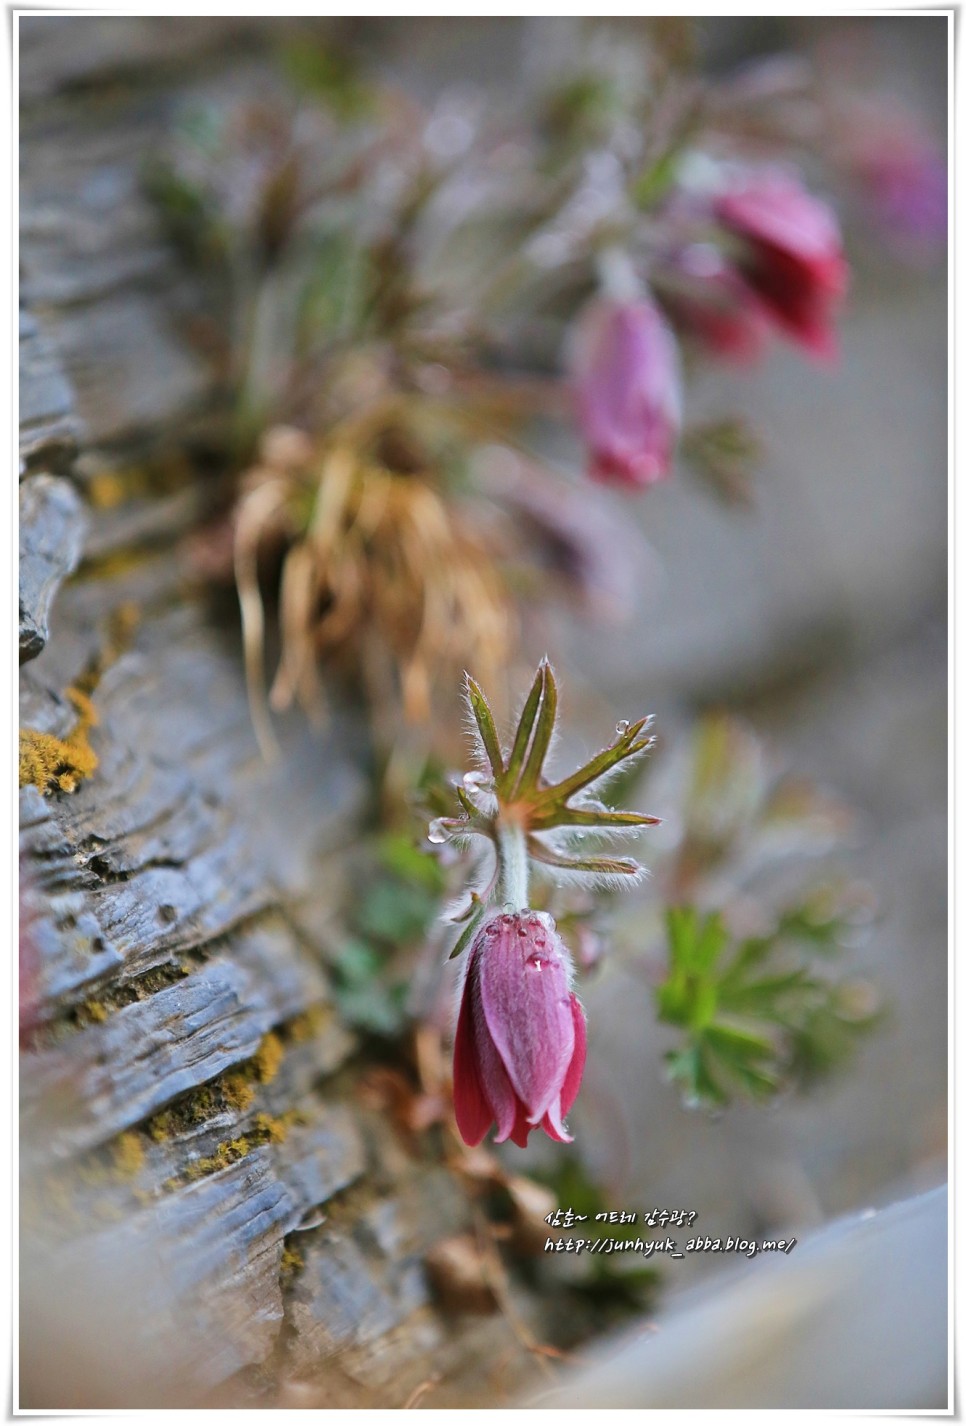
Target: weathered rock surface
point(200, 1178)
point(51, 534)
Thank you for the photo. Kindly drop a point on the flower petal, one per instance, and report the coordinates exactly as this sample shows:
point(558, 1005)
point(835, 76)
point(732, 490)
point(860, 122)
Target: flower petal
point(521, 1129)
point(575, 1071)
point(552, 1123)
point(525, 998)
point(473, 1113)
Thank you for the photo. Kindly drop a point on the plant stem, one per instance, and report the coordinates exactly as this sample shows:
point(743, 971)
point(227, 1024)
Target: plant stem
point(512, 852)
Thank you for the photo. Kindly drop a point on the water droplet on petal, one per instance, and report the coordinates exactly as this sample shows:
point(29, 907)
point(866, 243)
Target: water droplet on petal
point(437, 832)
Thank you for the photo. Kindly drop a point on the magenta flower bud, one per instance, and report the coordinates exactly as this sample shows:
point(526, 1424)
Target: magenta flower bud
point(521, 1038)
point(899, 170)
point(628, 390)
point(904, 180)
point(709, 298)
point(790, 254)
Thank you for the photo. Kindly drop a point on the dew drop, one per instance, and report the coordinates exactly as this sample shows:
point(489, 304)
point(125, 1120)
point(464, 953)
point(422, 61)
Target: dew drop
point(622, 727)
point(437, 832)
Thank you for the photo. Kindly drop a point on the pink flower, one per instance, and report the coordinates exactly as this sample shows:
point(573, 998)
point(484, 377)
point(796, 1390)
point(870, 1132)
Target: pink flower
point(628, 391)
point(908, 192)
point(904, 178)
point(521, 1039)
point(709, 298)
point(899, 169)
point(790, 254)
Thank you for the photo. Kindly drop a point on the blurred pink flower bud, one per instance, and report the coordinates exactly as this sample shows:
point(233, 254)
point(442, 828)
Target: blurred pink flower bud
point(900, 171)
point(709, 298)
point(791, 254)
point(521, 1037)
point(908, 193)
point(628, 390)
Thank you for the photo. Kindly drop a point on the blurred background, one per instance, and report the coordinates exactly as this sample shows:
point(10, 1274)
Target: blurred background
point(819, 615)
point(816, 614)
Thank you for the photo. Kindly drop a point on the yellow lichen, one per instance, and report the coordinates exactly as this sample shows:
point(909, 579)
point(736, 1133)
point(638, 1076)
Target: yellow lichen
point(268, 1058)
point(303, 1027)
point(122, 625)
point(271, 1129)
point(194, 1110)
point(238, 1092)
point(292, 1261)
point(225, 1155)
point(128, 1153)
point(59, 764)
point(116, 485)
point(107, 489)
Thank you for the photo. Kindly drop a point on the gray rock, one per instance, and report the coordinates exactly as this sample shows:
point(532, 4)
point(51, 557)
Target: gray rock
point(51, 538)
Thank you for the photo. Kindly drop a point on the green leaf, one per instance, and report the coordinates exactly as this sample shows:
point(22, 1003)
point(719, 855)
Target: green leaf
point(357, 962)
point(788, 1020)
point(394, 911)
point(765, 997)
point(468, 932)
point(506, 785)
point(753, 1079)
point(628, 745)
point(590, 817)
point(599, 866)
point(695, 946)
point(484, 722)
point(689, 1069)
point(378, 1008)
point(737, 1045)
point(467, 804)
point(542, 734)
point(330, 77)
point(656, 180)
point(399, 855)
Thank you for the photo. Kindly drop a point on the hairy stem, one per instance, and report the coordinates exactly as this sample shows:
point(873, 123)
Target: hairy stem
point(512, 853)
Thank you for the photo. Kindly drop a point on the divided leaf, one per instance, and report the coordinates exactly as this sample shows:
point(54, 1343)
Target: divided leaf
point(752, 1015)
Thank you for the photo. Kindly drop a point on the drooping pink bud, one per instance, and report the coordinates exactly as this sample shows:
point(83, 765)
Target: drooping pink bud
point(708, 297)
point(900, 171)
point(521, 1036)
point(790, 253)
point(628, 390)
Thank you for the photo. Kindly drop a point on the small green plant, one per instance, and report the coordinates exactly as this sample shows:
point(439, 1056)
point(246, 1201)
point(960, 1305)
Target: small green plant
point(754, 1012)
